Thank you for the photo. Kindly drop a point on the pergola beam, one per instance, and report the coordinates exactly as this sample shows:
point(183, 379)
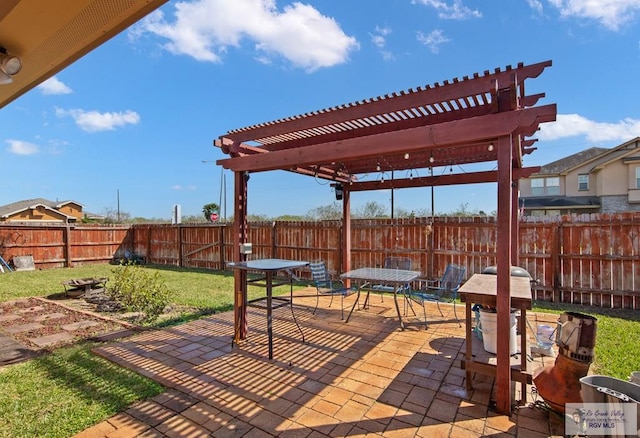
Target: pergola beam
point(435, 181)
point(415, 139)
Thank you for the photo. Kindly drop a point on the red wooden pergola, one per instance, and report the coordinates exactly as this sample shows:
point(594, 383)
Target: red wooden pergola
point(484, 118)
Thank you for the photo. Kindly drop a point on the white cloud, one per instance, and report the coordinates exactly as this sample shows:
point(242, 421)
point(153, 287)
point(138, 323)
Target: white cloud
point(433, 40)
point(379, 38)
point(56, 147)
point(453, 11)
point(611, 13)
point(53, 85)
point(20, 147)
point(572, 125)
point(180, 187)
point(536, 5)
point(94, 121)
point(205, 29)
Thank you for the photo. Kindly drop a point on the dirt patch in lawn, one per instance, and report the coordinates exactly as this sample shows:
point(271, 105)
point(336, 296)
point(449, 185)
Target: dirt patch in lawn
point(31, 326)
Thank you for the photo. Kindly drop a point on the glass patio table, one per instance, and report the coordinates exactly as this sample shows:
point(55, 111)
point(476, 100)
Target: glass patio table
point(395, 277)
point(270, 267)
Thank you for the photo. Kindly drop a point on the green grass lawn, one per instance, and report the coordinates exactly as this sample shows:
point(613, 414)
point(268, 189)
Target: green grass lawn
point(65, 392)
point(71, 389)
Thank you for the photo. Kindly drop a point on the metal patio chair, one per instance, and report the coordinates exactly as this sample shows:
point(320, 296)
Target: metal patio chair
point(403, 263)
point(326, 285)
point(444, 290)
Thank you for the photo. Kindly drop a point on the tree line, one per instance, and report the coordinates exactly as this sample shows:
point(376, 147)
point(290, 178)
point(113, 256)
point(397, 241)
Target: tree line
point(333, 211)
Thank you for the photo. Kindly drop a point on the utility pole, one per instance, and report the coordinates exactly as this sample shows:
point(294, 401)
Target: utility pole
point(223, 191)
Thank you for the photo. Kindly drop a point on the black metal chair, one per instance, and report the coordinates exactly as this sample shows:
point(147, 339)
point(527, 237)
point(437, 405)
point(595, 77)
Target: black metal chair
point(403, 263)
point(326, 285)
point(444, 290)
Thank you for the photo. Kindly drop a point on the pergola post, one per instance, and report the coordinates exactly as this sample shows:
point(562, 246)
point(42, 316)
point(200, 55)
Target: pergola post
point(240, 236)
point(503, 258)
point(346, 232)
point(515, 206)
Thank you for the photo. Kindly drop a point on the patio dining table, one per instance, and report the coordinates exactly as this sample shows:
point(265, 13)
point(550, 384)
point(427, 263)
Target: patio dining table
point(367, 276)
point(269, 267)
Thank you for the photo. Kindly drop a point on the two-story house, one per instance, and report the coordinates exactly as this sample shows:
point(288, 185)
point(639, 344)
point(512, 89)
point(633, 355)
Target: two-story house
point(596, 180)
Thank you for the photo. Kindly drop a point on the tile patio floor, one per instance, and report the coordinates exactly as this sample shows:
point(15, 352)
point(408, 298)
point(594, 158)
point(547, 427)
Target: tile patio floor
point(361, 378)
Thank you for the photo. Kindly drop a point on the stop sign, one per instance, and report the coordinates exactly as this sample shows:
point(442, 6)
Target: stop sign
point(214, 217)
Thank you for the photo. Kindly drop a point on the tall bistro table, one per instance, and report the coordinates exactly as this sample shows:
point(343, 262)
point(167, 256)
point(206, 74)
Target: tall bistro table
point(369, 276)
point(482, 289)
point(269, 267)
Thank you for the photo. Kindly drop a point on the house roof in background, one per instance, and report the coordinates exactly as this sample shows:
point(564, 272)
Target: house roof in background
point(624, 150)
point(600, 157)
point(27, 204)
point(566, 163)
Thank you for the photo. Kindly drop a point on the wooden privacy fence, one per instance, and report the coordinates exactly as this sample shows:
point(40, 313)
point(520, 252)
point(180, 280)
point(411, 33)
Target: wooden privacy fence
point(64, 245)
point(583, 259)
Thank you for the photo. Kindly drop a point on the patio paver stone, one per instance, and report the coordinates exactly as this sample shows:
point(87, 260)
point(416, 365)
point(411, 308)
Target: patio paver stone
point(348, 379)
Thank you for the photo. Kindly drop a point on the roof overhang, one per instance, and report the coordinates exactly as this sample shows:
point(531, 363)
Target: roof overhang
point(554, 202)
point(49, 35)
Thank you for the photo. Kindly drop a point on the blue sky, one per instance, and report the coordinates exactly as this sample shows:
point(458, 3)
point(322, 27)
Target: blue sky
point(137, 116)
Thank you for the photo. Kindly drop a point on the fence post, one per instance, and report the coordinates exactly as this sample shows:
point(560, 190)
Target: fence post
point(430, 230)
point(222, 232)
point(555, 263)
point(67, 246)
point(149, 244)
point(274, 240)
point(180, 259)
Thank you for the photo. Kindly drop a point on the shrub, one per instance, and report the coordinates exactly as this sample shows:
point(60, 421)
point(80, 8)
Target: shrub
point(139, 291)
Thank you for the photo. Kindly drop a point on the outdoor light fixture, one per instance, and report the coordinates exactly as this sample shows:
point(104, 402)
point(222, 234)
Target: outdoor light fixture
point(9, 66)
point(490, 147)
point(339, 192)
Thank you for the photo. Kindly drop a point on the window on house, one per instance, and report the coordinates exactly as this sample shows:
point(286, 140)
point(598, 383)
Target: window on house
point(537, 186)
point(583, 182)
point(545, 186)
point(637, 177)
point(553, 186)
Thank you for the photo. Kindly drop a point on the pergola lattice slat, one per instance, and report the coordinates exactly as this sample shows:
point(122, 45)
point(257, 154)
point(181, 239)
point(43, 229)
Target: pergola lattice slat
point(483, 86)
